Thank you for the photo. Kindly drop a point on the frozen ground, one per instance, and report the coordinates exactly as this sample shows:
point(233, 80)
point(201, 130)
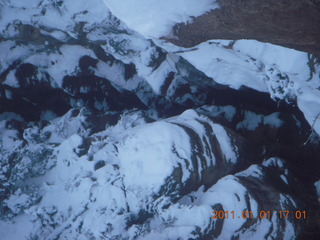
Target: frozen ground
point(138, 151)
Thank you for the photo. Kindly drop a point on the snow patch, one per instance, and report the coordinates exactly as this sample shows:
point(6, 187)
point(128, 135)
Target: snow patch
point(153, 18)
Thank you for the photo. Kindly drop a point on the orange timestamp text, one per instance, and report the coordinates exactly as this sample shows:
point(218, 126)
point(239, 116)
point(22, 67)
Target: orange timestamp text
point(259, 215)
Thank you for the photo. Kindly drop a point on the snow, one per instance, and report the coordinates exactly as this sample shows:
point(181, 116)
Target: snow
point(62, 64)
point(155, 78)
point(247, 63)
point(233, 195)
point(273, 120)
point(139, 161)
point(317, 185)
point(284, 178)
point(17, 200)
point(274, 162)
point(253, 171)
point(7, 136)
point(65, 126)
point(179, 221)
point(226, 145)
point(227, 111)
point(287, 59)
point(10, 52)
point(48, 115)
point(252, 121)
point(11, 80)
point(284, 73)
point(154, 19)
point(57, 34)
point(226, 66)
point(79, 201)
point(225, 141)
point(144, 158)
point(9, 116)
point(309, 104)
point(64, 15)
point(143, 57)
point(8, 230)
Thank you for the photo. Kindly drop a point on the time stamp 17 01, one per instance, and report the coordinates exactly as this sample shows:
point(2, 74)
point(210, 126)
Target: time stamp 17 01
point(259, 215)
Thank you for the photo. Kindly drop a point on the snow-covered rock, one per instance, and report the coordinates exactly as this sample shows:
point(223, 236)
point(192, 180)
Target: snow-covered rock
point(286, 74)
point(143, 181)
point(105, 134)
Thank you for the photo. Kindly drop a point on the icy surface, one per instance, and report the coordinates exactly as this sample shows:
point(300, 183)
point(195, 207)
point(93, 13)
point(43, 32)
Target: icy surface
point(155, 19)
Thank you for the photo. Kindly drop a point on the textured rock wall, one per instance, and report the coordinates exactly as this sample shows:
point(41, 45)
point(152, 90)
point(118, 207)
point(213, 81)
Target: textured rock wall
point(293, 24)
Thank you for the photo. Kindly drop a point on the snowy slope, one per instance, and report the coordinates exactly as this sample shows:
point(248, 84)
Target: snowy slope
point(239, 199)
point(142, 183)
point(284, 73)
point(155, 19)
point(106, 132)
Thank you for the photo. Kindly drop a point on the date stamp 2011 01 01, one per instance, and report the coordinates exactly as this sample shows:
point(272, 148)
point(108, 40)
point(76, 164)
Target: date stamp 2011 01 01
point(259, 215)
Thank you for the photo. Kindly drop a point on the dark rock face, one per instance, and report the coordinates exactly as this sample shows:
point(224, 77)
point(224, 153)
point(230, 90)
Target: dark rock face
point(293, 24)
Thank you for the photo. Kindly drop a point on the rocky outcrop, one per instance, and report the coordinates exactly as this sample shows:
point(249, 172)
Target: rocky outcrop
point(104, 135)
point(139, 180)
point(292, 24)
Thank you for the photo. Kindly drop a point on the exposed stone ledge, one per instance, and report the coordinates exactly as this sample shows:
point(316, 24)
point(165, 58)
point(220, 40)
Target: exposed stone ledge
point(294, 24)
